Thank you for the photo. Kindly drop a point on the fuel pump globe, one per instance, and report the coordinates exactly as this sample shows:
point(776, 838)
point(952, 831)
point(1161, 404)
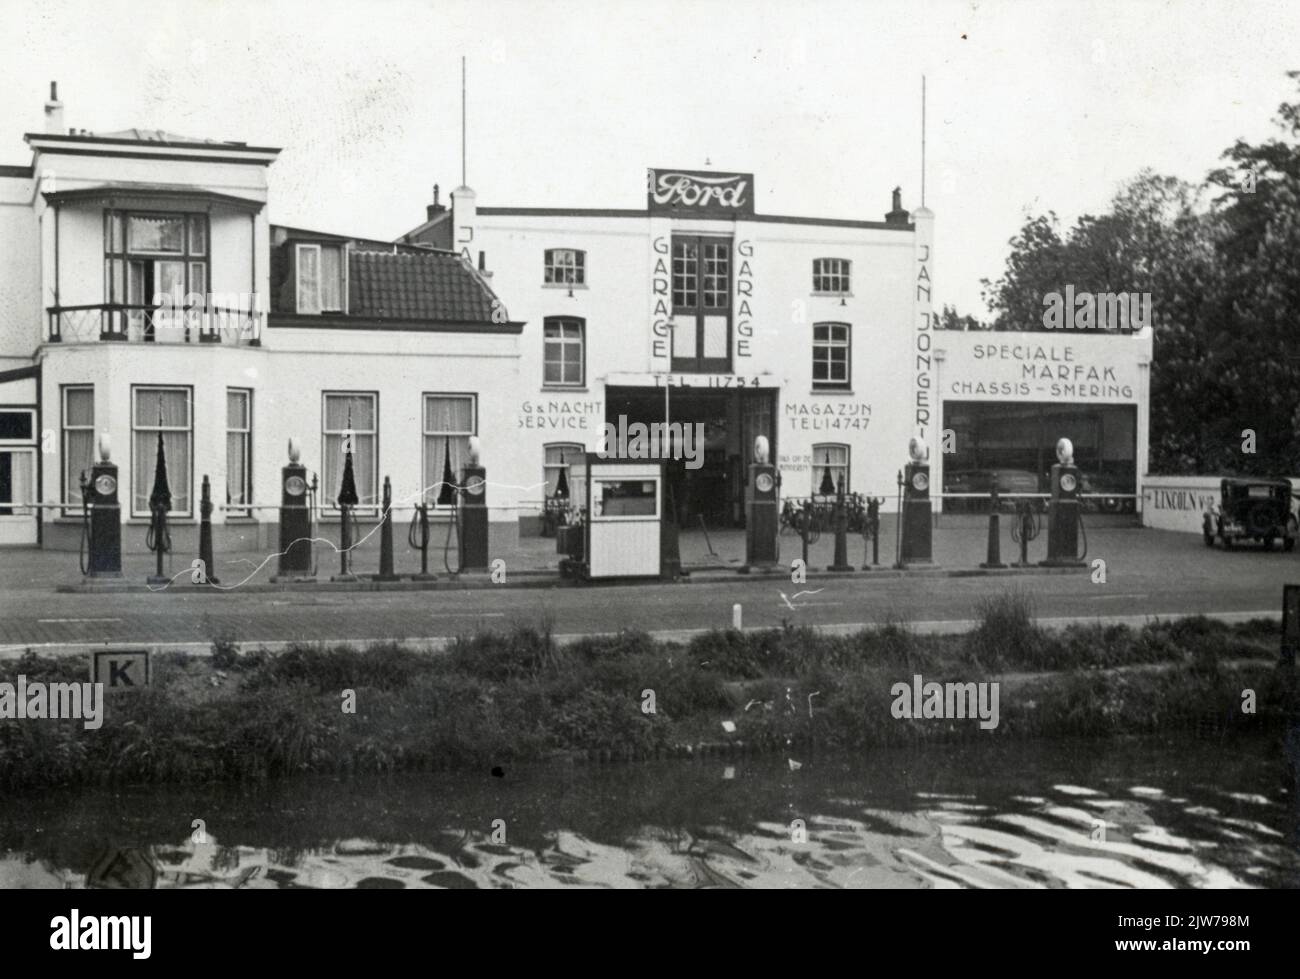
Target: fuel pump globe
point(1065, 452)
point(105, 447)
point(761, 450)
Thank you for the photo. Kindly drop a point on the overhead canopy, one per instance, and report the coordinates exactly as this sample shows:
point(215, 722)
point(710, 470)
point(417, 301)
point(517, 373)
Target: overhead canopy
point(151, 191)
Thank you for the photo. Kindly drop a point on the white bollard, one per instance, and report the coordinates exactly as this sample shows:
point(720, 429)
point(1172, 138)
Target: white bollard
point(735, 616)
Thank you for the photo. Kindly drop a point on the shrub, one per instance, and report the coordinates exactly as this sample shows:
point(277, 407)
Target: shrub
point(1007, 633)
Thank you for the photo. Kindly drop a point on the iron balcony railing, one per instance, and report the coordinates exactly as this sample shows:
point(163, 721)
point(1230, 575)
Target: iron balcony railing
point(128, 323)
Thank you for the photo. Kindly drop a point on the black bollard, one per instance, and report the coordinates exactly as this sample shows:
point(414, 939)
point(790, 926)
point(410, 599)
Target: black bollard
point(386, 536)
point(995, 532)
point(873, 529)
point(841, 518)
point(205, 534)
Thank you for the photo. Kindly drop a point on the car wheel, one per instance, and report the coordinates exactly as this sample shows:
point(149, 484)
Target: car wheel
point(1227, 543)
point(1268, 543)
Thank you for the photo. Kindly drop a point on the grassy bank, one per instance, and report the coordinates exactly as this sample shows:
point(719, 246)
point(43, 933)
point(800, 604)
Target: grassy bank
point(499, 698)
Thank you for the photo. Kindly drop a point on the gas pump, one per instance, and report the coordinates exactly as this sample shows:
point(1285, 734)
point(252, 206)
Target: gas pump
point(295, 519)
point(915, 546)
point(101, 533)
point(1064, 518)
point(761, 511)
point(473, 513)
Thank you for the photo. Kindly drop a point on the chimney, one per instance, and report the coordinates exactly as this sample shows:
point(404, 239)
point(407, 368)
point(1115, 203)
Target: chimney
point(899, 214)
point(54, 112)
point(434, 209)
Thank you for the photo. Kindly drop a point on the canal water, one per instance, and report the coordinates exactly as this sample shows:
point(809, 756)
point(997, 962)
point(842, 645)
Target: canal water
point(1132, 813)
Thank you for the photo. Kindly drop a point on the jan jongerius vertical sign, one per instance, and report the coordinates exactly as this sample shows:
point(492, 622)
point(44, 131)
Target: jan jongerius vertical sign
point(924, 323)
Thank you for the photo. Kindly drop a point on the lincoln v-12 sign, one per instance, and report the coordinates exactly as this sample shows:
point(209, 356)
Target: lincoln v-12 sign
point(698, 193)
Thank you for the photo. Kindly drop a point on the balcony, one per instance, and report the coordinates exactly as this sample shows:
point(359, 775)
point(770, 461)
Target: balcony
point(124, 323)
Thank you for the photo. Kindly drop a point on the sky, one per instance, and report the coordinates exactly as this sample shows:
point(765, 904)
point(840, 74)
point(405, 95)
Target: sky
point(1032, 106)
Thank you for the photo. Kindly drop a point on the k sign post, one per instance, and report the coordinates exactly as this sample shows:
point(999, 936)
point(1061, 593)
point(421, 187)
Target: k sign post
point(120, 669)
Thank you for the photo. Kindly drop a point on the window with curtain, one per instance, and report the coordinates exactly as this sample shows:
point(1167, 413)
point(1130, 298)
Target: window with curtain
point(559, 456)
point(830, 355)
point(166, 412)
point(351, 419)
point(563, 361)
point(322, 278)
point(239, 450)
point(832, 457)
point(78, 441)
point(449, 421)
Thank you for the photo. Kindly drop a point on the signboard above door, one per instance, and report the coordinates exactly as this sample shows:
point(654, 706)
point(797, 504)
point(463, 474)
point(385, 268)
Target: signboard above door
point(699, 193)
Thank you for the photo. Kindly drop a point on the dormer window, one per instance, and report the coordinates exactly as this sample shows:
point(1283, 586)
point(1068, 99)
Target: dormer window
point(831, 276)
point(566, 267)
point(322, 278)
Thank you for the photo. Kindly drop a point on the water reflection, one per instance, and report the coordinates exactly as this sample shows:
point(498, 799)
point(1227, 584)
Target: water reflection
point(1082, 815)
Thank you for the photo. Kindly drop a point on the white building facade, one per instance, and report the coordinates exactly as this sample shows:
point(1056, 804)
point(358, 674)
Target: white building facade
point(145, 293)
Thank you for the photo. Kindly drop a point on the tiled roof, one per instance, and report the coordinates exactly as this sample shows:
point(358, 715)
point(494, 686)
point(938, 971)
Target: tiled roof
point(424, 286)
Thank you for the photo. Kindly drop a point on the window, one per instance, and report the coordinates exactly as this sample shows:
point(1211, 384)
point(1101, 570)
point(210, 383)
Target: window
point(701, 339)
point(625, 498)
point(161, 414)
point(449, 421)
point(830, 467)
point(351, 420)
point(830, 365)
point(566, 267)
point(322, 278)
point(559, 456)
point(239, 450)
point(147, 257)
point(78, 441)
point(562, 359)
point(831, 275)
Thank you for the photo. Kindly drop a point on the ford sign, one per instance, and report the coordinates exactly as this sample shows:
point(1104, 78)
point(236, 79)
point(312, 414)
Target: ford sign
point(700, 193)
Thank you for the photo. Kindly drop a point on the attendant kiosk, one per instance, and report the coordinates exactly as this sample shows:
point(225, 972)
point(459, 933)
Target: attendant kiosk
point(625, 517)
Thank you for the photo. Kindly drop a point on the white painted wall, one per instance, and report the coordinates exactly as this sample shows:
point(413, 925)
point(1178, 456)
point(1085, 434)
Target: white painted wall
point(618, 306)
point(20, 270)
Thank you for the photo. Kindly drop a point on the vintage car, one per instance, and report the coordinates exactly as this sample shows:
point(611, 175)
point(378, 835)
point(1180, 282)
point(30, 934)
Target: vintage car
point(1252, 509)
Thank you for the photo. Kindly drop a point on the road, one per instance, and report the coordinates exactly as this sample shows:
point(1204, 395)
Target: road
point(47, 619)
